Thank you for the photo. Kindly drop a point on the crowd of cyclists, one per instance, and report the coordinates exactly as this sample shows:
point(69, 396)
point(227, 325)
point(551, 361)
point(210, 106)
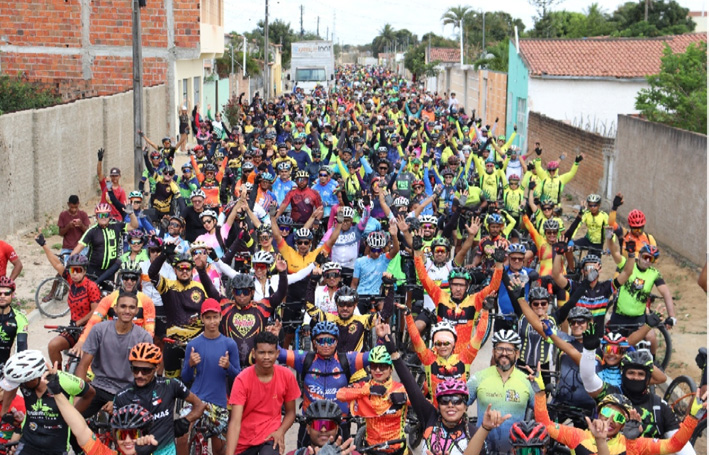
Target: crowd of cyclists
point(338, 259)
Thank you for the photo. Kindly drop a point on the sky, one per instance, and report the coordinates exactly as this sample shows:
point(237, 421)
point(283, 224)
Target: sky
point(358, 22)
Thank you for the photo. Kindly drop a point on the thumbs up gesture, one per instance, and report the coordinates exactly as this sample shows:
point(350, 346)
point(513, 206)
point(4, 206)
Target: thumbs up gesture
point(195, 358)
point(224, 360)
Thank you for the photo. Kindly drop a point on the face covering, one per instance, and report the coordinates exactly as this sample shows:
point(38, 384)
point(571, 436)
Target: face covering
point(633, 388)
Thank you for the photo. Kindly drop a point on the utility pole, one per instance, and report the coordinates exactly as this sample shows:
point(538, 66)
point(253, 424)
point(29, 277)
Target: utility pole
point(327, 33)
point(484, 32)
point(243, 65)
point(647, 6)
point(137, 96)
point(317, 29)
point(302, 32)
point(334, 18)
point(461, 42)
point(266, 68)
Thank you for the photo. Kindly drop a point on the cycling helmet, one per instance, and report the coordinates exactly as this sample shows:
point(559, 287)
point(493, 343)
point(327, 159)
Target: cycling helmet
point(267, 176)
point(401, 202)
point(188, 166)
point(325, 169)
point(516, 248)
point(136, 234)
point(382, 149)
point(76, 260)
point(198, 245)
point(651, 250)
point(593, 198)
point(636, 219)
point(102, 208)
point(346, 294)
point(495, 218)
point(135, 195)
point(552, 165)
point(130, 267)
point(263, 229)
point(379, 355)
point(284, 166)
point(579, 312)
point(145, 352)
point(242, 281)
point(546, 202)
point(155, 155)
point(154, 242)
point(208, 213)
point(183, 257)
point(7, 282)
point(131, 416)
point(617, 399)
point(443, 326)
point(538, 293)
point(590, 259)
point(615, 338)
point(428, 219)
point(529, 433)
point(507, 336)
point(447, 172)
point(551, 225)
point(452, 387)
point(247, 166)
point(282, 145)
point(263, 257)
point(302, 175)
point(198, 148)
point(348, 212)
point(168, 170)
point(640, 359)
point(284, 220)
point(323, 410)
point(24, 367)
point(248, 186)
point(166, 139)
point(513, 177)
point(459, 272)
point(303, 234)
point(377, 239)
point(326, 328)
point(330, 266)
point(441, 241)
point(198, 193)
point(209, 167)
point(417, 183)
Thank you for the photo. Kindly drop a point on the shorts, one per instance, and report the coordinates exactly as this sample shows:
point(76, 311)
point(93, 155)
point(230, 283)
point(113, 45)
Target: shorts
point(173, 357)
point(70, 337)
point(262, 449)
point(160, 322)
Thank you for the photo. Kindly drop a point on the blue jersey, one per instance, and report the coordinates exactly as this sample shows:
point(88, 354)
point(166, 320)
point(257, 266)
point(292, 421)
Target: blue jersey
point(281, 188)
point(209, 378)
point(503, 298)
point(369, 271)
point(327, 194)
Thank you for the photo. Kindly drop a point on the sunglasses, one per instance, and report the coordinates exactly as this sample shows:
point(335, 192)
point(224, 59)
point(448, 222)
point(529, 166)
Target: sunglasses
point(383, 168)
point(647, 257)
point(615, 416)
point(102, 216)
point(130, 277)
point(516, 259)
point(451, 399)
point(545, 209)
point(260, 266)
point(428, 226)
point(299, 179)
point(144, 371)
point(614, 349)
point(265, 238)
point(539, 303)
point(137, 201)
point(76, 270)
point(441, 344)
point(125, 433)
point(136, 242)
point(208, 220)
point(303, 242)
point(285, 228)
point(243, 291)
point(169, 173)
point(324, 175)
point(527, 450)
point(155, 250)
point(199, 251)
point(375, 250)
point(323, 425)
point(176, 225)
point(577, 322)
point(184, 267)
point(551, 232)
point(592, 205)
point(6, 293)
point(331, 275)
point(346, 304)
point(326, 341)
point(379, 366)
point(440, 249)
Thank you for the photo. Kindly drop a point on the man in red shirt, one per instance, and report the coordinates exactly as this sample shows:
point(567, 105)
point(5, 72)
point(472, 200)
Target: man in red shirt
point(112, 182)
point(7, 254)
point(303, 200)
point(259, 392)
point(72, 225)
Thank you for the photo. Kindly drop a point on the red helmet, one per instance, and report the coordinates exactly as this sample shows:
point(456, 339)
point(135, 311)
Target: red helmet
point(552, 165)
point(528, 433)
point(6, 282)
point(636, 219)
point(513, 177)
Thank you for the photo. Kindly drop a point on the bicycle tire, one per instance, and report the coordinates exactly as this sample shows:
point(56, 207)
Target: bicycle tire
point(680, 395)
point(54, 289)
point(414, 430)
point(198, 444)
point(663, 355)
point(699, 431)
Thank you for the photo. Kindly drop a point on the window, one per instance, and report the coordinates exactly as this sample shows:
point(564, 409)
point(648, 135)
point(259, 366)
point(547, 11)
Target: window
point(310, 74)
point(197, 95)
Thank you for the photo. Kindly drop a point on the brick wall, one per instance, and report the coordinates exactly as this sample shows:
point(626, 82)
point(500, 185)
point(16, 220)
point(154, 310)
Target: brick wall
point(92, 58)
point(558, 138)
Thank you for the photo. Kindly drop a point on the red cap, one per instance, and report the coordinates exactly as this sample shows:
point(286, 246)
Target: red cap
point(211, 305)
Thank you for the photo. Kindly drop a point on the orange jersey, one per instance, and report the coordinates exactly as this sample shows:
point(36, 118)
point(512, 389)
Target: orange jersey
point(145, 317)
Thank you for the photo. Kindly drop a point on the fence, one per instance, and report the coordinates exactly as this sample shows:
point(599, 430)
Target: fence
point(48, 154)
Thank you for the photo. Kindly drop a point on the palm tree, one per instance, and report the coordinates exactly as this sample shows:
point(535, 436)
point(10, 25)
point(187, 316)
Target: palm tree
point(385, 40)
point(454, 15)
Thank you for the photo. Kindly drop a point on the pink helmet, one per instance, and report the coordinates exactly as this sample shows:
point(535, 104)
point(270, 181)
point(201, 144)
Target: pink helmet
point(513, 177)
point(452, 387)
point(552, 165)
point(102, 208)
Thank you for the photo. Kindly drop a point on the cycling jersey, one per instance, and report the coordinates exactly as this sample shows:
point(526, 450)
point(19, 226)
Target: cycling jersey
point(552, 187)
point(13, 326)
point(105, 310)
point(595, 299)
point(594, 226)
point(462, 314)
point(158, 397)
point(295, 260)
point(302, 203)
point(281, 188)
point(633, 295)
point(545, 252)
point(328, 194)
point(439, 275)
point(346, 248)
point(7, 254)
point(656, 415)
point(163, 195)
point(81, 296)
point(512, 396)
point(181, 301)
point(105, 244)
point(570, 387)
point(487, 246)
point(534, 347)
point(369, 272)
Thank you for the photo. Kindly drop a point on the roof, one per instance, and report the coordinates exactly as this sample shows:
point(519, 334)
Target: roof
point(624, 58)
point(697, 14)
point(444, 55)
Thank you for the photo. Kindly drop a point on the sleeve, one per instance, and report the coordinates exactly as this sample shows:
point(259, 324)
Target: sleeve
point(148, 314)
point(569, 436)
point(357, 269)
point(648, 446)
point(188, 372)
point(470, 351)
point(493, 286)
point(234, 364)
point(72, 385)
point(99, 313)
point(426, 356)
point(422, 407)
point(292, 389)
point(473, 388)
point(353, 392)
point(239, 391)
point(538, 239)
point(587, 370)
point(431, 288)
point(566, 178)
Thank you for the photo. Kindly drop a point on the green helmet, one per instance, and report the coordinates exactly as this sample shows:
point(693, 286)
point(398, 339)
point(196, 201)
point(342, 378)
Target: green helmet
point(379, 355)
point(135, 195)
point(441, 241)
point(618, 400)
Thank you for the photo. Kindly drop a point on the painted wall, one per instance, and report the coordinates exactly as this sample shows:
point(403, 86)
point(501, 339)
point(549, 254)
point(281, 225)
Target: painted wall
point(517, 89)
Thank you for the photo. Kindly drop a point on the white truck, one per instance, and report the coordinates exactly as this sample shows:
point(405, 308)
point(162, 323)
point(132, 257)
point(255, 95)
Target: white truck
point(312, 63)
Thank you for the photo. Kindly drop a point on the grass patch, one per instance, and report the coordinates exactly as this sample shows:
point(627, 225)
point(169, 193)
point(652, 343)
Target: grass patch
point(57, 246)
point(50, 230)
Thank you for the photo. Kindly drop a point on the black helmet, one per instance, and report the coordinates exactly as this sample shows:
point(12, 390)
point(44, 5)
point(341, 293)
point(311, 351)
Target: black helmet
point(183, 257)
point(131, 416)
point(641, 360)
point(209, 167)
point(242, 281)
point(77, 260)
point(323, 409)
point(579, 312)
point(346, 294)
point(538, 293)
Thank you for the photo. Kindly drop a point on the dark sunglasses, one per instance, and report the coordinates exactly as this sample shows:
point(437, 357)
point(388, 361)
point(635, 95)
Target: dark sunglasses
point(130, 277)
point(378, 366)
point(199, 251)
point(323, 425)
point(169, 173)
point(176, 225)
point(451, 399)
point(144, 371)
point(184, 267)
point(346, 304)
point(332, 275)
point(6, 293)
point(539, 303)
point(125, 433)
point(136, 242)
point(102, 216)
point(303, 242)
point(243, 291)
point(324, 175)
point(577, 322)
point(326, 341)
point(375, 250)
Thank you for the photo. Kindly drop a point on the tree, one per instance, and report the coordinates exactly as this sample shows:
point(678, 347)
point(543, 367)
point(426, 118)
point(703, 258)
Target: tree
point(678, 94)
point(496, 57)
point(664, 18)
point(454, 15)
point(543, 8)
point(384, 42)
point(17, 94)
point(415, 61)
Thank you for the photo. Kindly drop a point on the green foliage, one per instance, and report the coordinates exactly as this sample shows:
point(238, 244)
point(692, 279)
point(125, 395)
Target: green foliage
point(16, 94)
point(678, 94)
point(232, 110)
point(50, 230)
point(415, 61)
point(496, 57)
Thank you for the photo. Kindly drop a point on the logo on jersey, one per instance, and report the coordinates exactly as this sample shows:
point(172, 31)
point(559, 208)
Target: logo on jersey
point(196, 296)
point(243, 323)
point(512, 395)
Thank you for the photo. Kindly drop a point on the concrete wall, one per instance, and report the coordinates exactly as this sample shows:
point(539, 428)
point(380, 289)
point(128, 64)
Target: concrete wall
point(48, 154)
point(663, 172)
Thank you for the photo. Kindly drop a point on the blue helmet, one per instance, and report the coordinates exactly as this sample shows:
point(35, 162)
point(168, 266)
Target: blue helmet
point(495, 218)
point(516, 248)
point(326, 328)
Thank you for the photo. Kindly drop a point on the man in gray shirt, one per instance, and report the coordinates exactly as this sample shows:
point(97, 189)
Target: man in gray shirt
point(106, 351)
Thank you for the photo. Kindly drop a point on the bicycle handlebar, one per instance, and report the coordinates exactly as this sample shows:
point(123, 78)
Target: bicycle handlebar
point(63, 328)
point(381, 445)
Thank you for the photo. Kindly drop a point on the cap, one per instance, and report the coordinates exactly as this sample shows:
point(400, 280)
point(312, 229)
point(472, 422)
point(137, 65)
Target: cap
point(115, 171)
point(211, 305)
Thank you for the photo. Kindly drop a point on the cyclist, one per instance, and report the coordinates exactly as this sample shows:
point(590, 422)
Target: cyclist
point(187, 183)
point(327, 188)
point(44, 431)
point(503, 386)
point(322, 425)
point(488, 244)
point(595, 220)
point(13, 322)
point(381, 401)
point(552, 183)
point(166, 190)
point(368, 270)
point(157, 394)
point(72, 224)
point(136, 201)
point(516, 253)
point(529, 437)
point(216, 235)
point(346, 249)
point(112, 183)
point(193, 224)
point(303, 200)
point(209, 180)
point(544, 245)
point(266, 283)
point(283, 184)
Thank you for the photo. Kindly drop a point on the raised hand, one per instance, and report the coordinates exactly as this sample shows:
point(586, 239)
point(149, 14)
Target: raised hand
point(281, 264)
point(493, 419)
point(195, 358)
point(598, 428)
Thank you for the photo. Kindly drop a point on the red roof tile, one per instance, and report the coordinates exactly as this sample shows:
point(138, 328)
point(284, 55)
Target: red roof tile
point(600, 57)
point(444, 55)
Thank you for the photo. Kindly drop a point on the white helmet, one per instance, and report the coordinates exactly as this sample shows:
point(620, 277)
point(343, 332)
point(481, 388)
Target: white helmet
point(401, 201)
point(377, 240)
point(23, 367)
point(428, 219)
point(198, 193)
point(507, 336)
point(263, 257)
point(211, 213)
point(442, 326)
point(348, 212)
point(330, 266)
point(199, 245)
point(362, 206)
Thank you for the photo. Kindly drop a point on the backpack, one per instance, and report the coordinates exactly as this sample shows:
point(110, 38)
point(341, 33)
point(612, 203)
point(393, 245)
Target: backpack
point(341, 357)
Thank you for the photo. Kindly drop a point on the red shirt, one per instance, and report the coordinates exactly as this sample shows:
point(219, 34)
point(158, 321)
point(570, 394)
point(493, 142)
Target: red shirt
point(73, 235)
point(7, 254)
point(303, 203)
point(120, 194)
point(262, 403)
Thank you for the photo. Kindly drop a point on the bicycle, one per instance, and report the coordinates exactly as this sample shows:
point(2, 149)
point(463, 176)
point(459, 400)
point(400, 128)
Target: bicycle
point(51, 296)
point(302, 339)
point(72, 360)
point(680, 396)
point(377, 447)
point(203, 429)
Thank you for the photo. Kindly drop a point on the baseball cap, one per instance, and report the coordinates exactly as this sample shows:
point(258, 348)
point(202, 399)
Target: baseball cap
point(210, 305)
point(115, 171)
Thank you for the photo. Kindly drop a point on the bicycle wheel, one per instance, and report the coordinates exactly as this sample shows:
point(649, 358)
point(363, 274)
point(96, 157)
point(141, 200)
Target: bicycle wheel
point(51, 297)
point(664, 347)
point(700, 434)
point(680, 395)
point(198, 444)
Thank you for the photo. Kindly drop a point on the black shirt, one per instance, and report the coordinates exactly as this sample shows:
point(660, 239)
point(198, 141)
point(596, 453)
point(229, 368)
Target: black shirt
point(193, 226)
